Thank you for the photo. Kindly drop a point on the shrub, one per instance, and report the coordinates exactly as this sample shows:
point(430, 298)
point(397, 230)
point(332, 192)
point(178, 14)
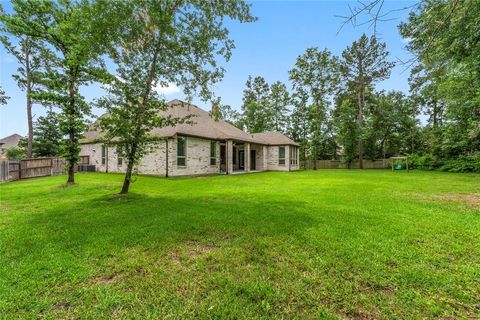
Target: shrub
point(463, 164)
point(16, 153)
point(425, 162)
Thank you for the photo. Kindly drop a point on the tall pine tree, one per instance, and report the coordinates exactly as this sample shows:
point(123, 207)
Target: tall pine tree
point(363, 64)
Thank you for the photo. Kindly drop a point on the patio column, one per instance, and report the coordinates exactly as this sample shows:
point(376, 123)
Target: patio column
point(287, 157)
point(298, 157)
point(247, 156)
point(265, 159)
point(229, 152)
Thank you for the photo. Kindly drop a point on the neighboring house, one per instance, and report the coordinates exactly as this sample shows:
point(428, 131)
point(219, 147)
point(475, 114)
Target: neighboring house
point(205, 146)
point(9, 142)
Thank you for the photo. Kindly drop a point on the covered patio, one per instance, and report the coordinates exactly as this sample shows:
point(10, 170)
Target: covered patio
point(242, 157)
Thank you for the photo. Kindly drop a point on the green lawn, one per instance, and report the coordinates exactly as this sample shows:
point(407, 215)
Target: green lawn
point(307, 245)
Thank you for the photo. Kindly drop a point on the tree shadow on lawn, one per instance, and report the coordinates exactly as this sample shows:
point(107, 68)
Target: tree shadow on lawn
point(101, 240)
point(105, 225)
point(244, 247)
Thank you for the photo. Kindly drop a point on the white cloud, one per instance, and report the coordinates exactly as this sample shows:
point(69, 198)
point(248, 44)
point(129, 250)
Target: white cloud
point(170, 89)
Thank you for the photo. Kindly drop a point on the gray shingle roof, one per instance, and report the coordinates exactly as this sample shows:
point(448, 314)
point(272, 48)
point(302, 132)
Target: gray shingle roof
point(203, 125)
point(10, 141)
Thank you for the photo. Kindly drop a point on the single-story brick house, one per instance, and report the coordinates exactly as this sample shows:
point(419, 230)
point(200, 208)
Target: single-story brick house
point(204, 146)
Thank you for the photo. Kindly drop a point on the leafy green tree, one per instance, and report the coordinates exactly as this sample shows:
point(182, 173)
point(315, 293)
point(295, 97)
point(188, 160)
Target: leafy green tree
point(315, 78)
point(299, 126)
point(164, 42)
point(226, 113)
point(76, 34)
point(443, 37)
point(346, 126)
point(27, 54)
point(278, 102)
point(363, 64)
point(47, 137)
point(17, 152)
point(391, 125)
point(256, 112)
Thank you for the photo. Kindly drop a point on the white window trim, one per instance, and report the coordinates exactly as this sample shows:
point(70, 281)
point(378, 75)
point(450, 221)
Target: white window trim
point(103, 154)
point(185, 156)
point(215, 153)
point(284, 156)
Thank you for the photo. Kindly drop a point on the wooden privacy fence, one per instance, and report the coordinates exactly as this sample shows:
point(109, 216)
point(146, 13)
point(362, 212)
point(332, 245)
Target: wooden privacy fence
point(30, 168)
point(338, 164)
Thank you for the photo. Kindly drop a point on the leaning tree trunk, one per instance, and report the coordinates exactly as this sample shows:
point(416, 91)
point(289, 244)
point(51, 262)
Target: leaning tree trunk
point(133, 151)
point(128, 174)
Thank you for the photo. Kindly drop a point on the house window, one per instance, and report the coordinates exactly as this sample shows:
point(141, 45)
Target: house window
point(181, 151)
point(119, 156)
point(104, 152)
point(213, 153)
point(281, 155)
point(234, 158)
point(293, 155)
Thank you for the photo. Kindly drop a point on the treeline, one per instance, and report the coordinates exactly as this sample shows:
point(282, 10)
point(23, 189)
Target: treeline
point(334, 111)
point(62, 46)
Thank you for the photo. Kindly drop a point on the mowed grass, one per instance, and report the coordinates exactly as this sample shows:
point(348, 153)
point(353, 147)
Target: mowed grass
point(306, 245)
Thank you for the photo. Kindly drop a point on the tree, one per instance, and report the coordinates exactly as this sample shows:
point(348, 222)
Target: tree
point(443, 42)
point(315, 78)
point(391, 127)
point(3, 97)
point(299, 128)
point(226, 113)
point(46, 136)
point(256, 117)
point(364, 63)
point(27, 53)
point(15, 153)
point(75, 34)
point(278, 102)
point(164, 42)
point(346, 126)
point(443, 38)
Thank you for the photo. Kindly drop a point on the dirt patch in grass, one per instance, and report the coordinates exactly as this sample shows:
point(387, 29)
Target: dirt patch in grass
point(106, 279)
point(61, 306)
point(466, 200)
point(371, 288)
point(469, 200)
point(190, 251)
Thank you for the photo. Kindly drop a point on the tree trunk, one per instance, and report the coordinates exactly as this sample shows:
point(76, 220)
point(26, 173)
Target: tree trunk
point(133, 150)
point(72, 145)
point(383, 148)
point(128, 174)
point(29, 99)
point(412, 146)
point(360, 125)
point(314, 157)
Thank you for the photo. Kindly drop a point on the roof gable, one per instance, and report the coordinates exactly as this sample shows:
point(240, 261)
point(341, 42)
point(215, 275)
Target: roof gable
point(10, 141)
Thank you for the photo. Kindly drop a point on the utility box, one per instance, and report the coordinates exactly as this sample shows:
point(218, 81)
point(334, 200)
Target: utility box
point(86, 167)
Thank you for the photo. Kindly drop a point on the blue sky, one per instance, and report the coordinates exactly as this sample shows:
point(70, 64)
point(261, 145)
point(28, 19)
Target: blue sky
point(265, 48)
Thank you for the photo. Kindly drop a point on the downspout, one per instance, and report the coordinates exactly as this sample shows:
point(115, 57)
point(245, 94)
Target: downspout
point(166, 158)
